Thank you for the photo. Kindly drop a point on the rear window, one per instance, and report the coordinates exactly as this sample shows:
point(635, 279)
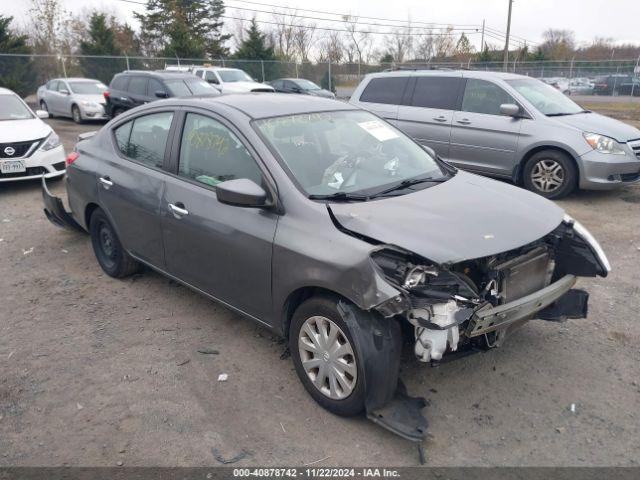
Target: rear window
point(387, 90)
point(436, 92)
point(144, 139)
point(119, 82)
point(138, 85)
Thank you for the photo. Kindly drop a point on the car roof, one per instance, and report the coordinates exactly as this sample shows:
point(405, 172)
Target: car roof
point(264, 105)
point(77, 79)
point(162, 74)
point(443, 72)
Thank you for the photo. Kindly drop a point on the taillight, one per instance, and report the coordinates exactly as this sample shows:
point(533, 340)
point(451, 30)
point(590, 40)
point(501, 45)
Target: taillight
point(106, 94)
point(72, 157)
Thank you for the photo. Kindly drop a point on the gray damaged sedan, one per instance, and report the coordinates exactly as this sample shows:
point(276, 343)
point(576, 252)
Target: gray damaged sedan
point(331, 227)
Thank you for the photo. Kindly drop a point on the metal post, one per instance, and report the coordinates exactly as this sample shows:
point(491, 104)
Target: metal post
point(330, 89)
point(615, 81)
point(262, 66)
point(127, 58)
point(506, 42)
point(571, 68)
point(178, 59)
point(297, 76)
point(64, 68)
point(635, 72)
point(482, 38)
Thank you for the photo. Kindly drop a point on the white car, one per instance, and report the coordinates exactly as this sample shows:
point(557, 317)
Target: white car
point(231, 80)
point(29, 148)
point(78, 98)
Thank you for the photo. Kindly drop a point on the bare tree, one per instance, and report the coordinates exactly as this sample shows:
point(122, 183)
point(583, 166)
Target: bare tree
point(360, 41)
point(400, 43)
point(303, 35)
point(558, 44)
point(444, 43)
point(331, 48)
point(424, 46)
point(284, 34)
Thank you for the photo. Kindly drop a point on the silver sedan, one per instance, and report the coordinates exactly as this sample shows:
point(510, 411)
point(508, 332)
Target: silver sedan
point(78, 98)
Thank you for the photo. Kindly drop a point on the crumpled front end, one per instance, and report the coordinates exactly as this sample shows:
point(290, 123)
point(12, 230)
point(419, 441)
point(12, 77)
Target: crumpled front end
point(475, 304)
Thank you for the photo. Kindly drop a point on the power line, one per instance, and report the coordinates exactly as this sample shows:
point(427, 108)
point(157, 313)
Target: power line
point(356, 20)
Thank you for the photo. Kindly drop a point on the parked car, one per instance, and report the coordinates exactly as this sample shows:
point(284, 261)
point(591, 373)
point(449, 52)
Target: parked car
point(630, 87)
point(331, 227)
point(580, 86)
point(230, 80)
point(559, 83)
point(77, 98)
point(610, 84)
point(133, 88)
point(301, 86)
point(29, 148)
point(508, 126)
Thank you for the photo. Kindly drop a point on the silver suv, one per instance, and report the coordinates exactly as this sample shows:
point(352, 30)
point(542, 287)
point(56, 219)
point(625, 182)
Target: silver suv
point(506, 125)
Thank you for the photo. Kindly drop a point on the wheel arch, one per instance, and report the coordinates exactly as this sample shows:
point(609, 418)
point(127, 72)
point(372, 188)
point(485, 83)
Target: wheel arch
point(88, 211)
point(298, 296)
point(518, 173)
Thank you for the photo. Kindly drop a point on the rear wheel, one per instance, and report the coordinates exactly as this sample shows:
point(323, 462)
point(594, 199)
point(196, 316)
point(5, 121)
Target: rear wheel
point(325, 357)
point(75, 114)
point(112, 257)
point(550, 173)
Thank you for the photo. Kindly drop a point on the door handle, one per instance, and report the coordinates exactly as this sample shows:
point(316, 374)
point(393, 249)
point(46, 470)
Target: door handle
point(178, 209)
point(441, 118)
point(464, 121)
point(106, 182)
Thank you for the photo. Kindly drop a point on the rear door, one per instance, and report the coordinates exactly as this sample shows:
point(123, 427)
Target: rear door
point(57, 98)
point(482, 139)
point(428, 115)
point(131, 183)
point(383, 95)
point(222, 250)
point(138, 90)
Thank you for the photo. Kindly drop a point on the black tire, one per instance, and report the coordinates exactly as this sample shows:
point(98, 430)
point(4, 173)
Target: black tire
point(544, 161)
point(111, 256)
point(76, 115)
point(326, 306)
point(43, 106)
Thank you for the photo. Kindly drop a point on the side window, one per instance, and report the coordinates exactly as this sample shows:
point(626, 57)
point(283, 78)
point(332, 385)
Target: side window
point(481, 96)
point(144, 139)
point(119, 83)
point(277, 84)
point(210, 153)
point(138, 86)
point(210, 77)
point(436, 92)
point(387, 90)
point(62, 86)
point(155, 86)
point(198, 73)
point(289, 85)
point(52, 85)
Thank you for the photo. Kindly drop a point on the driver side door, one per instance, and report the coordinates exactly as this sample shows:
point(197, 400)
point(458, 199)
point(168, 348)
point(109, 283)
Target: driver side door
point(222, 250)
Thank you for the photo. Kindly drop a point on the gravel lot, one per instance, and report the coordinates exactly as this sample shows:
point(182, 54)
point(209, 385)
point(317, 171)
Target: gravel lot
point(97, 371)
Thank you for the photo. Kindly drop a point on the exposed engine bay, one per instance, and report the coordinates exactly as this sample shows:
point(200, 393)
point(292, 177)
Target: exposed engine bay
point(474, 304)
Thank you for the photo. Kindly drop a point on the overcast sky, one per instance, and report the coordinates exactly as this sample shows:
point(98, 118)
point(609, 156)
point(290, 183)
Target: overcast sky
point(587, 18)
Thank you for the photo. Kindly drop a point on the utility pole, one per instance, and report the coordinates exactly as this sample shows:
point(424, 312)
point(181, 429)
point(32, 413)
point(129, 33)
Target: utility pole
point(482, 40)
point(506, 42)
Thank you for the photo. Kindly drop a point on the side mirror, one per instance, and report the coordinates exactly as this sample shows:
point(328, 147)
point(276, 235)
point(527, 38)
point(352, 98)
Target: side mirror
point(510, 109)
point(64, 91)
point(430, 151)
point(241, 192)
point(162, 94)
point(42, 114)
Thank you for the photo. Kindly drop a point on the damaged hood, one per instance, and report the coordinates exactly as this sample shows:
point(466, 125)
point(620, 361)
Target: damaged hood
point(463, 218)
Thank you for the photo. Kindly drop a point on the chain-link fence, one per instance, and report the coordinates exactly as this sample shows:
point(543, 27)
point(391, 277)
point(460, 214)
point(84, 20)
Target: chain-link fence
point(24, 73)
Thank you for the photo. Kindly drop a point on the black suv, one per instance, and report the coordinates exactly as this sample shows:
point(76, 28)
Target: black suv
point(133, 88)
point(612, 84)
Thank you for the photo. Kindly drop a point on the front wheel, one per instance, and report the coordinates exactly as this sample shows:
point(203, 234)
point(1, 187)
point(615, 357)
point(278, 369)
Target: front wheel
point(111, 256)
point(325, 357)
point(43, 106)
point(550, 173)
point(75, 114)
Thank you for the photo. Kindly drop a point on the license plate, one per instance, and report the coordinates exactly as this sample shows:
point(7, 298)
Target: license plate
point(12, 166)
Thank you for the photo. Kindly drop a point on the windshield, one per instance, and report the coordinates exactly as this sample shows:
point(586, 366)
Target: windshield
point(87, 88)
point(346, 151)
point(200, 87)
point(307, 85)
point(12, 108)
point(544, 97)
point(189, 87)
point(231, 76)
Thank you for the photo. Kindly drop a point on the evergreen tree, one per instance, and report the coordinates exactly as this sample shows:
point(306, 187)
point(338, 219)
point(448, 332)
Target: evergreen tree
point(16, 73)
point(386, 59)
point(101, 40)
point(256, 47)
point(183, 28)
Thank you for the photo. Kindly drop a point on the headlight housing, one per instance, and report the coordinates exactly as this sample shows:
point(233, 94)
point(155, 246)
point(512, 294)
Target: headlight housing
point(51, 142)
point(86, 103)
point(603, 144)
point(591, 241)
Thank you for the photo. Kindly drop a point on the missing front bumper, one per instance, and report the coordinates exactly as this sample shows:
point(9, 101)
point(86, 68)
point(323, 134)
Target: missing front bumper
point(488, 319)
point(55, 211)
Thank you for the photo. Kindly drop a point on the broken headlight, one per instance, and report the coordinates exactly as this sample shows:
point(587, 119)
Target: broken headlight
point(590, 240)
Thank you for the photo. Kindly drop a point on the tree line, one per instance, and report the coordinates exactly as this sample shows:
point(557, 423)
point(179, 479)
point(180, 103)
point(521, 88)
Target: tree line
point(199, 29)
